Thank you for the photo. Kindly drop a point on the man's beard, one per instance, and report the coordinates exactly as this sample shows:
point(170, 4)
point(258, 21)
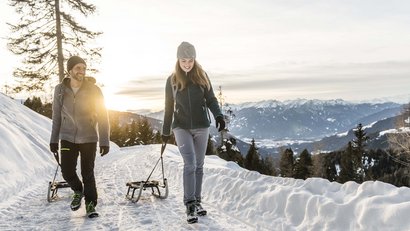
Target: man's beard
point(78, 77)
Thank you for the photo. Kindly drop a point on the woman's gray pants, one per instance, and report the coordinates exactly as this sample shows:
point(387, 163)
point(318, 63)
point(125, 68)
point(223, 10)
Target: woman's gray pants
point(192, 145)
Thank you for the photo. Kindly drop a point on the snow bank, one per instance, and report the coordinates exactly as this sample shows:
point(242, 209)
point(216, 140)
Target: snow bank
point(24, 146)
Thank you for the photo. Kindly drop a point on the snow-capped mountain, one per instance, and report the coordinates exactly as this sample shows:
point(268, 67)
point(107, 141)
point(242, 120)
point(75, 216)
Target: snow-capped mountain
point(304, 119)
point(287, 103)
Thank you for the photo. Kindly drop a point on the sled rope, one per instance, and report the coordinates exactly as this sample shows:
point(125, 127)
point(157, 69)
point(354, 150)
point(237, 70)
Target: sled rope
point(162, 163)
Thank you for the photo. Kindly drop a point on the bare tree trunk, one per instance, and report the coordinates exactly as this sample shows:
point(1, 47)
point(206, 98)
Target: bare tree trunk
point(60, 55)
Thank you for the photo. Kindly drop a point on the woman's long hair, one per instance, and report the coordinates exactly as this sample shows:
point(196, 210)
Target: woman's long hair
point(196, 76)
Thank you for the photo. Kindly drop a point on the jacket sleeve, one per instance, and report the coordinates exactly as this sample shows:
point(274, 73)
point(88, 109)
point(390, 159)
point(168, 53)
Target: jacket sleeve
point(169, 108)
point(102, 119)
point(56, 115)
point(211, 101)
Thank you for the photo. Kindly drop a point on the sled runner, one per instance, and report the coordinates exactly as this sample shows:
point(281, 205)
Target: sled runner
point(158, 189)
point(54, 185)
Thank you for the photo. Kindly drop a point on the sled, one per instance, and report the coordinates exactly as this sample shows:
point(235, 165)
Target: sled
point(54, 185)
point(158, 189)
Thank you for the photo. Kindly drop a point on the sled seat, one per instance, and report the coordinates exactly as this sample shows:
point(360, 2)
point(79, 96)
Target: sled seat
point(59, 184)
point(138, 184)
point(143, 185)
point(53, 189)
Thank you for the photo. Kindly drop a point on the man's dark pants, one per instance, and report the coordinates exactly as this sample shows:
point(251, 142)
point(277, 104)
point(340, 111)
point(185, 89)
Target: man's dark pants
point(69, 156)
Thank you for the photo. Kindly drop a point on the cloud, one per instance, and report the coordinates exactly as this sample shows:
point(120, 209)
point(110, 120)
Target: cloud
point(292, 80)
point(146, 88)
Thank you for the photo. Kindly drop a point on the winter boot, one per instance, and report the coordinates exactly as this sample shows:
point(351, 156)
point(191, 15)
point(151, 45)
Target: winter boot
point(191, 213)
point(90, 210)
point(76, 203)
point(199, 210)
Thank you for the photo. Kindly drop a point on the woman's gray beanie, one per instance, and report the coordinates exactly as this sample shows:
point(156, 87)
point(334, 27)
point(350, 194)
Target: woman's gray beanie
point(186, 51)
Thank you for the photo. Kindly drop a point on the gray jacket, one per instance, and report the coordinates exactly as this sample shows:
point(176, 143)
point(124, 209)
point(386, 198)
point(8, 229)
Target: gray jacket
point(76, 117)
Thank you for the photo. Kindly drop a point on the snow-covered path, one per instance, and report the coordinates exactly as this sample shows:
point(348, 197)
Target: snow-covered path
point(31, 211)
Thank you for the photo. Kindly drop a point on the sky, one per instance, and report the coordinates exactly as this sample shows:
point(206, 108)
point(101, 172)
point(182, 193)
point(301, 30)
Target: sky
point(236, 199)
point(254, 50)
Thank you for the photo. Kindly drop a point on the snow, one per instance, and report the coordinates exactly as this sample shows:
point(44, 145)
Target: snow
point(342, 134)
point(331, 120)
point(369, 125)
point(236, 199)
point(268, 143)
point(394, 130)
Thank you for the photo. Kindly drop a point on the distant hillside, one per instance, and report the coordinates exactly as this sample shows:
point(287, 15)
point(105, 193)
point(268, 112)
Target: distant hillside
point(127, 117)
point(375, 132)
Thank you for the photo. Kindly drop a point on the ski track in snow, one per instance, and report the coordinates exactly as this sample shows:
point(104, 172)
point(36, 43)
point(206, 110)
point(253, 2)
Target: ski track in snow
point(29, 210)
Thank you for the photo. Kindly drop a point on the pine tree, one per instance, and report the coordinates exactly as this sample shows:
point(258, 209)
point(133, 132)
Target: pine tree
point(132, 134)
point(252, 158)
point(318, 166)
point(47, 34)
point(330, 163)
point(37, 105)
point(267, 166)
point(347, 172)
point(145, 134)
point(34, 104)
point(303, 165)
point(229, 152)
point(47, 110)
point(115, 129)
point(359, 152)
point(286, 163)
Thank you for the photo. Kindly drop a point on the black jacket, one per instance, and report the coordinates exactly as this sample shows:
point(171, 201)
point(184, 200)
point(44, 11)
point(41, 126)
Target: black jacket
point(189, 109)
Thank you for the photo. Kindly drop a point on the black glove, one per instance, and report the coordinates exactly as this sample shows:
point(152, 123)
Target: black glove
point(54, 147)
point(165, 138)
point(220, 123)
point(104, 150)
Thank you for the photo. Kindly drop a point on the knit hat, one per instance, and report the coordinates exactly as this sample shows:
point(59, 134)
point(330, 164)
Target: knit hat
point(186, 51)
point(74, 60)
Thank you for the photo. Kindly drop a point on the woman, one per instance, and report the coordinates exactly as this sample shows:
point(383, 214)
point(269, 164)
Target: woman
point(188, 95)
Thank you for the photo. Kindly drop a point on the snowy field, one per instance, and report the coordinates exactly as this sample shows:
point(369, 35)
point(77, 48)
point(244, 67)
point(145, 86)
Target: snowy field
point(236, 199)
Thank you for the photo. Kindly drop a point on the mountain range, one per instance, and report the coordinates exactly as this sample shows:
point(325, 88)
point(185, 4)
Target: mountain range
point(304, 119)
point(317, 125)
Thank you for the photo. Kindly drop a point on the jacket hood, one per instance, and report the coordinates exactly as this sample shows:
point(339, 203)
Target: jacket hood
point(91, 80)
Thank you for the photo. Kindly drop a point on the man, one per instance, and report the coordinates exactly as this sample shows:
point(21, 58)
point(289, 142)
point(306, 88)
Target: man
point(78, 109)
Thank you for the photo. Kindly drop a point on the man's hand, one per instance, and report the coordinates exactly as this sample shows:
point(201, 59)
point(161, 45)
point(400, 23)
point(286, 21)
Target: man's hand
point(54, 147)
point(104, 150)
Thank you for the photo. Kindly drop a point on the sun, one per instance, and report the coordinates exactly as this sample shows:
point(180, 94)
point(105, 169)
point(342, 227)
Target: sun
point(119, 103)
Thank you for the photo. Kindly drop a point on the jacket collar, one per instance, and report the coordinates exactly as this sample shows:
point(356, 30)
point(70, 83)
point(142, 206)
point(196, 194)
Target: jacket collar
point(87, 81)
